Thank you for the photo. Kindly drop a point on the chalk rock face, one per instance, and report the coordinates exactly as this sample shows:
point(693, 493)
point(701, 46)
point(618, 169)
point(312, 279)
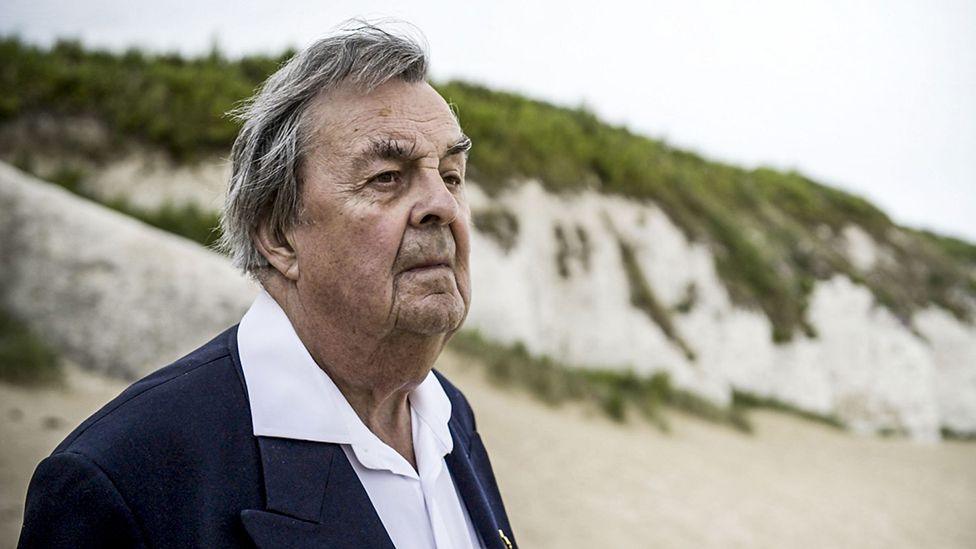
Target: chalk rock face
point(109, 291)
point(150, 181)
point(953, 348)
point(559, 276)
point(563, 290)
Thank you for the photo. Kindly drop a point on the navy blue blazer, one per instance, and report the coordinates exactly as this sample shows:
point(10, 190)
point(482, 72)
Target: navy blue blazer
point(173, 462)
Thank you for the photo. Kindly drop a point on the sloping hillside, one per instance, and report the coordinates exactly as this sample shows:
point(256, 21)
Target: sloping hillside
point(594, 246)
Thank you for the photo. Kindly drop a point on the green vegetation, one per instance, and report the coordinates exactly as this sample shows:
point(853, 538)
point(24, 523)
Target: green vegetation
point(766, 228)
point(642, 297)
point(67, 176)
point(168, 101)
point(688, 300)
point(614, 392)
point(773, 234)
point(25, 359)
point(499, 224)
point(950, 434)
point(745, 401)
point(586, 249)
point(567, 251)
point(563, 251)
point(959, 250)
point(187, 220)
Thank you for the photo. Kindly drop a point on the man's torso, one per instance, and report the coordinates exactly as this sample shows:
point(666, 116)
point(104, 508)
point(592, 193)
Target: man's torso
point(173, 461)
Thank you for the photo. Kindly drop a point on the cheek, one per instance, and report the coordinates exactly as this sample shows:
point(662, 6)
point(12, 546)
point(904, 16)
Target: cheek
point(372, 245)
point(353, 253)
point(461, 229)
point(462, 243)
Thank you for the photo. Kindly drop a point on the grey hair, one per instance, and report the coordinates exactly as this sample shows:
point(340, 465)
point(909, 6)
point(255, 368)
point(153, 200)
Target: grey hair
point(266, 159)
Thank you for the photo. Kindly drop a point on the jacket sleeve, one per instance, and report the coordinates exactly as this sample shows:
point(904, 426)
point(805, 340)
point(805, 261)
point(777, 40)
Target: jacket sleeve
point(71, 502)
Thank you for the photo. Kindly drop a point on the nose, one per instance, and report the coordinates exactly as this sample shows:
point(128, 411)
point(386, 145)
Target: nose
point(435, 204)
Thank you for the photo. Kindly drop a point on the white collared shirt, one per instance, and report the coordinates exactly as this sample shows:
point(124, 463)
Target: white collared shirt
point(291, 397)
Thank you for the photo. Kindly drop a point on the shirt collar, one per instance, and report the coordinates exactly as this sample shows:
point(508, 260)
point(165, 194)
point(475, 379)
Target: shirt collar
point(291, 397)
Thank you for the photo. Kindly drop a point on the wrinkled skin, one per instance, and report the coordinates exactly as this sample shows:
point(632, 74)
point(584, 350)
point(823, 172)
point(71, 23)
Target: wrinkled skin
point(375, 276)
point(361, 234)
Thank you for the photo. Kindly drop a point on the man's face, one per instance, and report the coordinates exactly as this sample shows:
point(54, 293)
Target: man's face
point(383, 240)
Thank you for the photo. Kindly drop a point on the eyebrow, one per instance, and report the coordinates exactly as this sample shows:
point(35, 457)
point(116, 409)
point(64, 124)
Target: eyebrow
point(462, 145)
point(390, 149)
point(405, 150)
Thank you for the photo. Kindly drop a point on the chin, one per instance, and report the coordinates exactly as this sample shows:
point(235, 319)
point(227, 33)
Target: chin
point(439, 317)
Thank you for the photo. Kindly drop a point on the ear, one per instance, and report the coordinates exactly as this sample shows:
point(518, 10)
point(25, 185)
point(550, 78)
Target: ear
point(278, 249)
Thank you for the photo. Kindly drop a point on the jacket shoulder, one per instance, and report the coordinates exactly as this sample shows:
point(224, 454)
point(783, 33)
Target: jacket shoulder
point(173, 454)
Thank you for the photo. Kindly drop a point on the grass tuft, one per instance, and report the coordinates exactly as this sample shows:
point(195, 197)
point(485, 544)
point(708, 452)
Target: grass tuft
point(616, 393)
point(642, 297)
point(24, 358)
point(498, 224)
point(745, 401)
point(186, 220)
point(952, 434)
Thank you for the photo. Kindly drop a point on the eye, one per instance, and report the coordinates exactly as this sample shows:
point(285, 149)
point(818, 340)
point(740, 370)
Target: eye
point(387, 179)
point(452, 180)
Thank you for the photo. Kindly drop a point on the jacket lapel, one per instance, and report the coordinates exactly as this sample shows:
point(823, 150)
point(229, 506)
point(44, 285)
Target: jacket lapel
point(313, 498)
point(471, 490)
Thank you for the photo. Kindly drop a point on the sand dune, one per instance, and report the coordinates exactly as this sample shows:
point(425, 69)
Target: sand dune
point(574, 479)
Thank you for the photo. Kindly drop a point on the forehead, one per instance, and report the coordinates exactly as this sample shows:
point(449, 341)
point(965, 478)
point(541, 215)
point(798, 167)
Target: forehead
point(346, 119)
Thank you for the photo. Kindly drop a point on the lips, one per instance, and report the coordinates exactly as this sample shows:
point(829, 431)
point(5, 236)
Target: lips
point(429, 265)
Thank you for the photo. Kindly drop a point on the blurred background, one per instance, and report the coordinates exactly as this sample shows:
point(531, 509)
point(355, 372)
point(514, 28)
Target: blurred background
point(723, 263)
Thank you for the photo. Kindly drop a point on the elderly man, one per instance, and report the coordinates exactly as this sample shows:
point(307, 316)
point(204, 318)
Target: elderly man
point(317, 421)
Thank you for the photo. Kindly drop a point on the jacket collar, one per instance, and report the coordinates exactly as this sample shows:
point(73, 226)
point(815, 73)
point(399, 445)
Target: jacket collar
point(313, 498)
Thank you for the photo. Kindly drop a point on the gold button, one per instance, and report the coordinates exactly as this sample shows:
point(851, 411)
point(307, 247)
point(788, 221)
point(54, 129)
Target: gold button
point(508, 543)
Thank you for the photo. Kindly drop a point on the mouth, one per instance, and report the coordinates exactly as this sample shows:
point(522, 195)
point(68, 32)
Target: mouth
point(429, 263)
point(428, 266)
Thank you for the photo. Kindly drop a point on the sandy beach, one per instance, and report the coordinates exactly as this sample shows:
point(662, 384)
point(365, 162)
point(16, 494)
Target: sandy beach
point(572, 478)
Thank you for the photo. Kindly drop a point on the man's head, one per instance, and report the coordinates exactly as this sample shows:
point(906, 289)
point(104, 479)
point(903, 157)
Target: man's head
point(347, 189)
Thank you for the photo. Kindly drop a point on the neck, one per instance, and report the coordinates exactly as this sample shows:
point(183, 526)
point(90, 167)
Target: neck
point(374, 371)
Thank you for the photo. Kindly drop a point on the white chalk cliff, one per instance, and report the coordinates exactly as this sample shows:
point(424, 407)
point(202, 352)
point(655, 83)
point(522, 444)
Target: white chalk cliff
point(124, 297)
point(864, 366)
